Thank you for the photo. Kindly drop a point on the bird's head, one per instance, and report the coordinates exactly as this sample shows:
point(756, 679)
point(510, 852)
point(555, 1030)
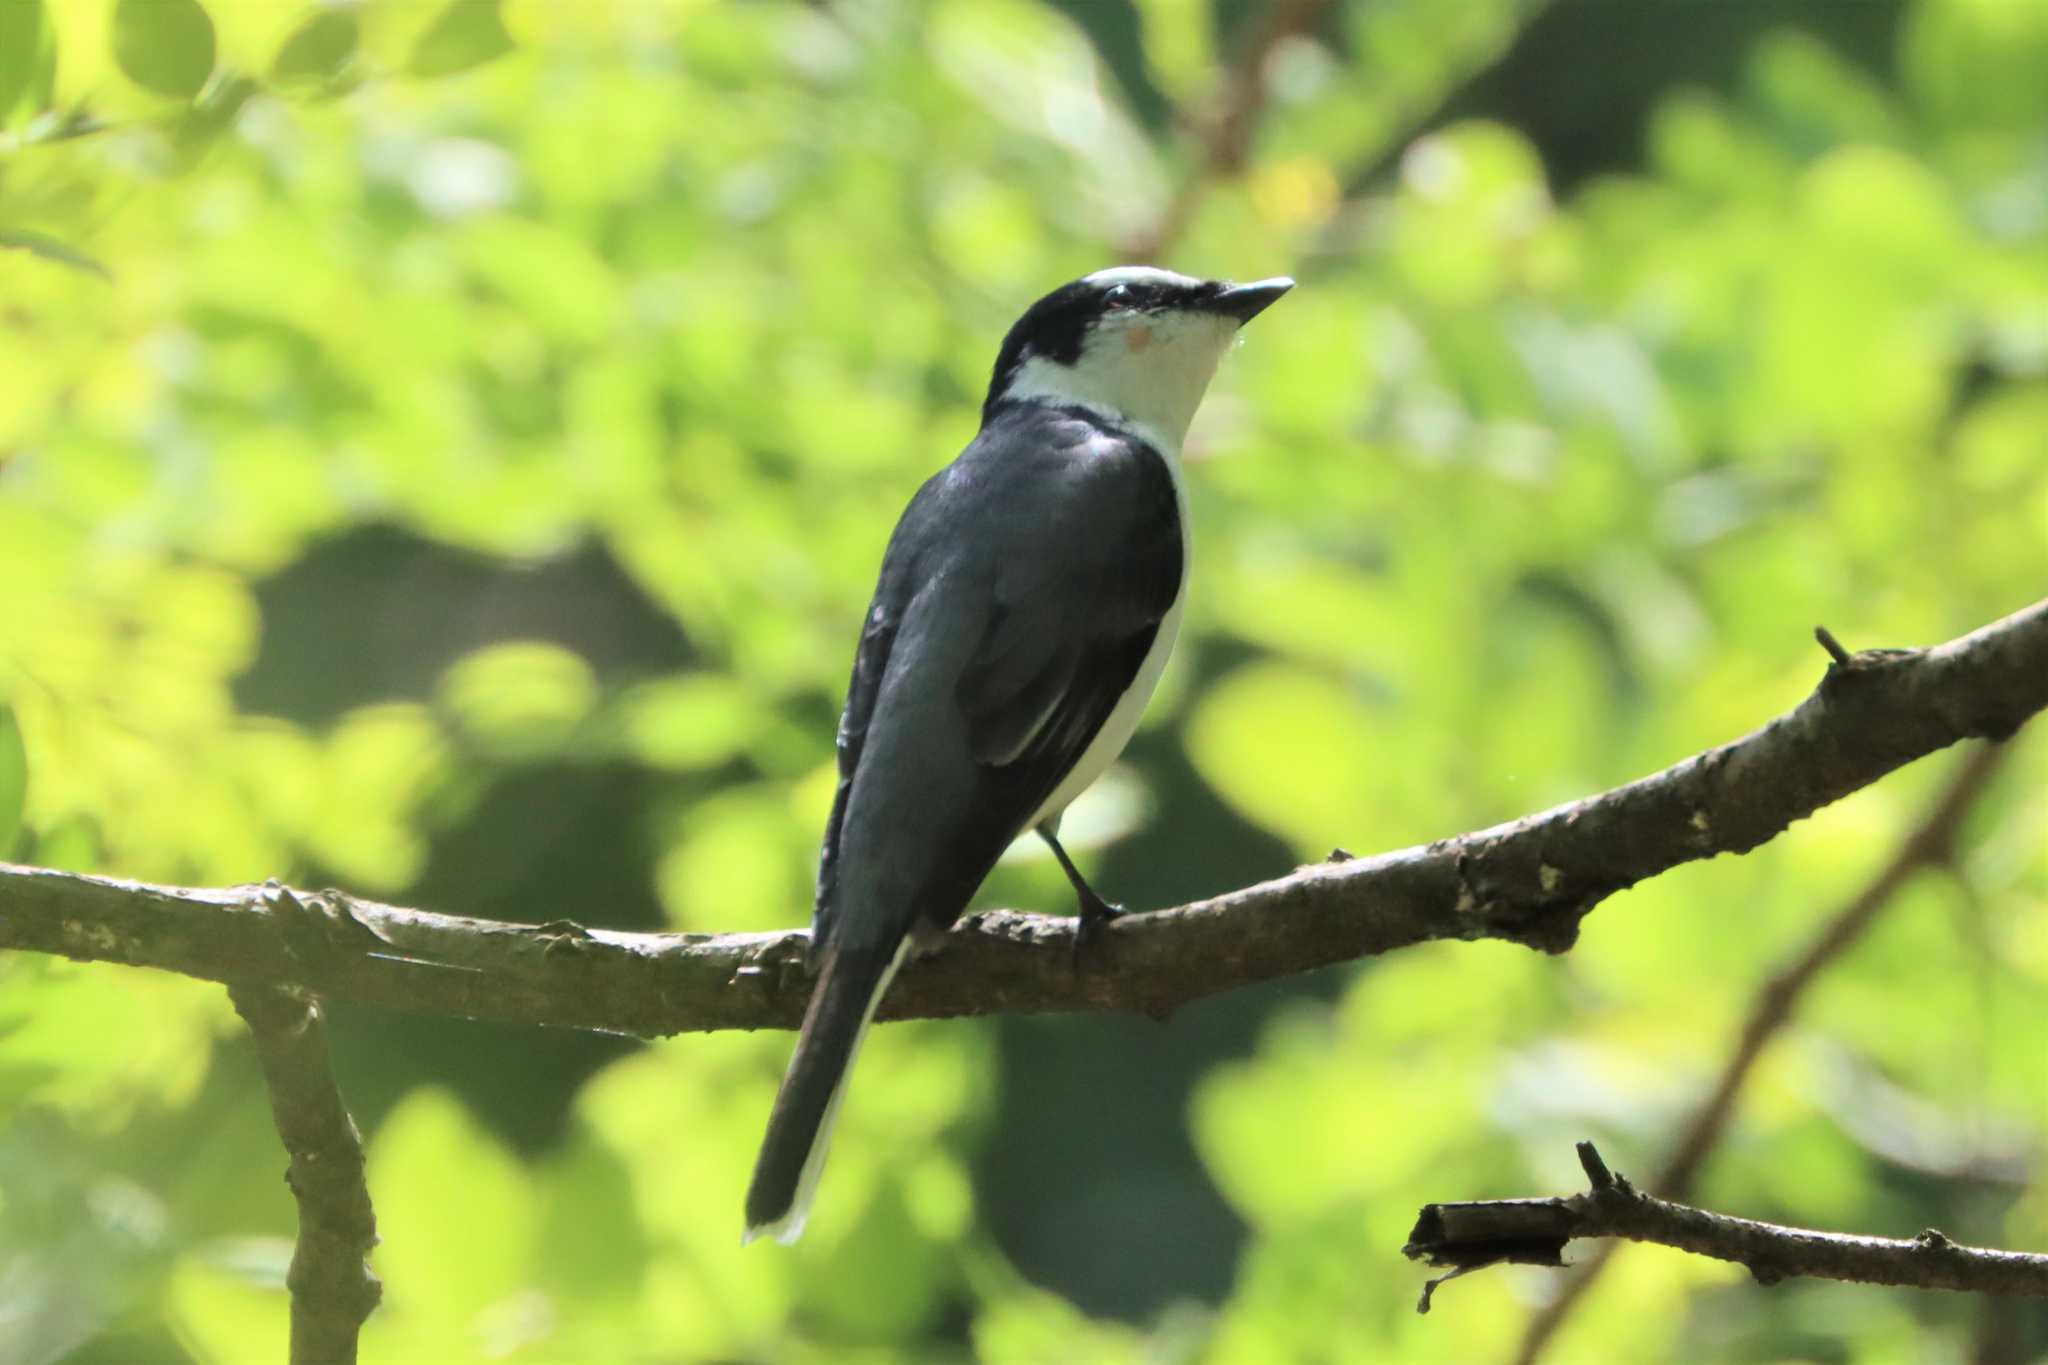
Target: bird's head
point(1132, 342)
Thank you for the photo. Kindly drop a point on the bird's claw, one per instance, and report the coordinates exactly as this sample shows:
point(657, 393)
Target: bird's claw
point(1095, 917)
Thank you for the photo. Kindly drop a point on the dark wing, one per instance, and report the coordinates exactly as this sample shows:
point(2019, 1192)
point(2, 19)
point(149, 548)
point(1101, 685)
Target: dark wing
point(1094, 567)
point(1031, 575)
point(870, 663)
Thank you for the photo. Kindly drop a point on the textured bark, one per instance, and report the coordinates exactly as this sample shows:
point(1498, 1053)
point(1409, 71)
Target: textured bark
point(1471, 1236)
point(331, 1285)
point(1930, 844)
point(1529, 882)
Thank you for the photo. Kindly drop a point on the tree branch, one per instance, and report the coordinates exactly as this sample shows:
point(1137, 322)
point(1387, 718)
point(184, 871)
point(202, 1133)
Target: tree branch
point(1529, 882)
point(1932, 844)
point(1469, 1236)
point(331, 1285)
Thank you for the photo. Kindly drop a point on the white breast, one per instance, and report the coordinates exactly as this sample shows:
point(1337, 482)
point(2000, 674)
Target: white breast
point(1116, 732)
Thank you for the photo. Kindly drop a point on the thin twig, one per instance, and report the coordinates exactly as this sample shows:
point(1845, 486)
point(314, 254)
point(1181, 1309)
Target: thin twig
point(332, 1289)
point(1930, 844)
point(1534, 1232)
point(1225, 135)
point(1530, 882)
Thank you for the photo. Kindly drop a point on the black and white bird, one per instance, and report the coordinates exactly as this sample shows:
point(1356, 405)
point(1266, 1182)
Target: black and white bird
point(1027, 604)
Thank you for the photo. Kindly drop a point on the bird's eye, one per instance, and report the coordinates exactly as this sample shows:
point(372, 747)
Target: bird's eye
point(1120, 296)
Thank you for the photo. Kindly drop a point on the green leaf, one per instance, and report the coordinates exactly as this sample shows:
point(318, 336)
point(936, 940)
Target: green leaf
point(1295, 752)
point(50, 249)
point(70, 843)
point(468, 33)
point(23, 44)
point(164, 46)
point(319, 51)
point(521, 697)
point(694, 721)
point(456, 1209)
point(1977, 63)
point(13, 780)
point(210, 116)
point(587, 1221)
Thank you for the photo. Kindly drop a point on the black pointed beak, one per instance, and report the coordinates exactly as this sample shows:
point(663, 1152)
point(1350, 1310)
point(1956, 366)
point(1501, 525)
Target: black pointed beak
point(1246, 301)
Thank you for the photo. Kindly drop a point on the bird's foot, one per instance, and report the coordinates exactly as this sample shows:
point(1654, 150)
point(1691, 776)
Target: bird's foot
point(1096, 913)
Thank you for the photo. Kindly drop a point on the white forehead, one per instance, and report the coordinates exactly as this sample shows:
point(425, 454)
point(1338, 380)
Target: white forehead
point(1139, 274)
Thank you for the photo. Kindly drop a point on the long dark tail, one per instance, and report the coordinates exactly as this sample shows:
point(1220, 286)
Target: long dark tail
point(850, 985)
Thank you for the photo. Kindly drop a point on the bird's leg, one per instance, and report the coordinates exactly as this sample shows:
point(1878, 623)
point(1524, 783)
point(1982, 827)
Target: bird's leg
point(1095, 911)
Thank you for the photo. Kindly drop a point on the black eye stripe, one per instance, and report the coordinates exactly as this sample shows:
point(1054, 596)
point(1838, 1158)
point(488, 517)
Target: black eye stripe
point(1058, 325)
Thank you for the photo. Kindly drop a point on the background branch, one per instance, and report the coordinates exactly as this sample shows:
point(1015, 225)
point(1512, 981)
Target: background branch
point(1529, 882)
point(1224, 135)
point(1469, 1236)
point(1931, 844)
point(331, 1285)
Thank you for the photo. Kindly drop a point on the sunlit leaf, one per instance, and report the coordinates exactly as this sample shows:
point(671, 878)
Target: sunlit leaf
point(736, 862)
point(25, 55)
point(377, 765)
point(236, 1321)
point(86, 1039)
point(694, 721)
point(1292, 750)
point(1179, 44)
point(468, 33)
point(50, 249)
point(13, 779)
point(165, 46)
point(520, 697)
point(596, 1246)
point(319, 50)
point(1972, 61)
point(699, 1110)
point(72, 844)
point(456, 1212)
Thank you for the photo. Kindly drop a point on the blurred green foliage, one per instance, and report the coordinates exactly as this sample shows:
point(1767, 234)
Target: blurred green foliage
point(369, 327)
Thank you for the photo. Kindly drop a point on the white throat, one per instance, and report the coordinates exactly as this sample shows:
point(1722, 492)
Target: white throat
point(1146, 372)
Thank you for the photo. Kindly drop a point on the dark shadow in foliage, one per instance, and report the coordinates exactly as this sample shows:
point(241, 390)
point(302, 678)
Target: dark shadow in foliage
point(1584, 77)
point(378, 614)
point(1118, 32)
point(542, 841)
